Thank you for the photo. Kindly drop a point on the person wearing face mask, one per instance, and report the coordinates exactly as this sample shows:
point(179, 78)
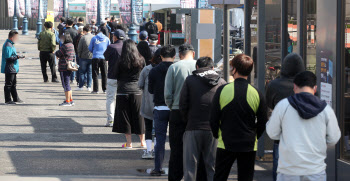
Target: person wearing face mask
point(235, 109)
point(10, 67)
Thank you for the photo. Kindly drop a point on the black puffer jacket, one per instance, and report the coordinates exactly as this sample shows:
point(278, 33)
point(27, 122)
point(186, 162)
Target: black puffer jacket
point(196, 98)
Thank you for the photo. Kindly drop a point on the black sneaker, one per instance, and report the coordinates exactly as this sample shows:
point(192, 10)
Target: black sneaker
point(19, 101)
point(10, 103)
point(156, 173)
point(55, 81)
point(46, 81)
point(94, 92)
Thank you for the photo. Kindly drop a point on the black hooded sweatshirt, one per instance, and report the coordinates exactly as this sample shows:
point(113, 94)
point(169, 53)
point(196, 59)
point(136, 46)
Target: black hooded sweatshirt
point(282, 87)
point(196, 98)
point(156, 82)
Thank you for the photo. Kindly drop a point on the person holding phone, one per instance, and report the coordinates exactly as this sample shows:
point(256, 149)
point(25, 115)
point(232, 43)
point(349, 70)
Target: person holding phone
point(10, 67)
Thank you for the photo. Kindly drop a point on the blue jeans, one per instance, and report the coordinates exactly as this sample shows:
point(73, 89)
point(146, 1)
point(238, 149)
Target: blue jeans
point(85, 69)
point(161, 119)
point(275, 160)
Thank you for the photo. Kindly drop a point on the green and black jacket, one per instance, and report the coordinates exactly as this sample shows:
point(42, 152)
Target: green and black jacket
point(238, 117)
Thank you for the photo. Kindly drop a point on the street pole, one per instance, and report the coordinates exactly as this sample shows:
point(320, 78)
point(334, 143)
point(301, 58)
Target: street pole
point(15, 20)
point(64, 8)
point(132, 29)
point(25, 19)
point(38, 23)
point(98, 12)
point(226, 44)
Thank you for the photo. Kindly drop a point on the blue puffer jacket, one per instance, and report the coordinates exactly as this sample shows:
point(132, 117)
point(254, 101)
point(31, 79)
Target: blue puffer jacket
point(98, 45)
point(9, 63)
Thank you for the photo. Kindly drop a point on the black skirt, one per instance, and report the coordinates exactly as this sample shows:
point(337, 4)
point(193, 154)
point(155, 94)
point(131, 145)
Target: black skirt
point(127, 117)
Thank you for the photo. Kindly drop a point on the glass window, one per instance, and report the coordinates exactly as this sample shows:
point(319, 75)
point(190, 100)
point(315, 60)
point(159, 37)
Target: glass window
point(311, 36)
point(292, 26)
point(273, 40)
point(345, 141)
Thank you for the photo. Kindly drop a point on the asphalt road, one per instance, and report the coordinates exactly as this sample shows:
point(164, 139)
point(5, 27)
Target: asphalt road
point(41, 141)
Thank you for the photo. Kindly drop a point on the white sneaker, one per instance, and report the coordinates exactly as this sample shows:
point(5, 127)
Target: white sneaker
point(79, 89)
point(147, 155)
point(109, 124)
point(89, 89)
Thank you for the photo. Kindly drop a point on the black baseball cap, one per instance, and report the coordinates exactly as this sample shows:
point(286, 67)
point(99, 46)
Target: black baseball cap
point(186, 47)
point(120, 34)
point(153, 37)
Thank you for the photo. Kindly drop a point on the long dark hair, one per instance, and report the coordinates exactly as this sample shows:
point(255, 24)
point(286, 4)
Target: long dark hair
point(145, 51)
point(131, 58)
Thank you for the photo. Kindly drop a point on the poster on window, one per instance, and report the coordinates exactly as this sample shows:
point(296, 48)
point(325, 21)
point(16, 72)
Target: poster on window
point(91, 10)
point(58, 9)
point(125, 11)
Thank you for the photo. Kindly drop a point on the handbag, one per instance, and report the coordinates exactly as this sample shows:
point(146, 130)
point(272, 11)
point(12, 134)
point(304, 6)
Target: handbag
point(72, 66)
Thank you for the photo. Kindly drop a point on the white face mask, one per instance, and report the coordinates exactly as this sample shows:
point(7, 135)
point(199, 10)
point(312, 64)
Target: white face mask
point(62, 40)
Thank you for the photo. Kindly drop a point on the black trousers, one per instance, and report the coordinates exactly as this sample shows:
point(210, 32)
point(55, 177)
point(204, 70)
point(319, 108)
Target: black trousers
point(225, 160)
point(97, 65)
point(149, 128)
point(10, 87)
point(176, 132)
point(48, 57)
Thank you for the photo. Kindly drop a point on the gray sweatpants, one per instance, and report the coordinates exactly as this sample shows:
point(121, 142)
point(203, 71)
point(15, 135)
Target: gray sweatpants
point(195, 144)
point(316, 177)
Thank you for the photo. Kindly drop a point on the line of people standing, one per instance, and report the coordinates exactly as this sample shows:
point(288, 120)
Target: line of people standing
point(211, 123)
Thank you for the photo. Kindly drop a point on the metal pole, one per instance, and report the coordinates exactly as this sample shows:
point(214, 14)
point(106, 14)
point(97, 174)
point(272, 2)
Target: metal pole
point(261, 62)
point(15, 20)
point(284, 29)
point(98, 12)
point(64, 8)
point(25, 20)
point(226, 43)
point(247, 30)
point(38, 23)
point(301, 15)
point(132, 29)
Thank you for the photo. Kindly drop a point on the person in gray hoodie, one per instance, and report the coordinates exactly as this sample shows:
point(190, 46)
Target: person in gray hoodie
point(281, 88)
point(305, 126)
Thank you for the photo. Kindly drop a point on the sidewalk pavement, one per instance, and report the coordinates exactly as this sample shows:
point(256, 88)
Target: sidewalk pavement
point(41, 141)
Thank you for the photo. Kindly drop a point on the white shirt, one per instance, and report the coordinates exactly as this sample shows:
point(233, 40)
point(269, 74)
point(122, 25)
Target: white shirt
point(303, 143)
point(162, 108)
